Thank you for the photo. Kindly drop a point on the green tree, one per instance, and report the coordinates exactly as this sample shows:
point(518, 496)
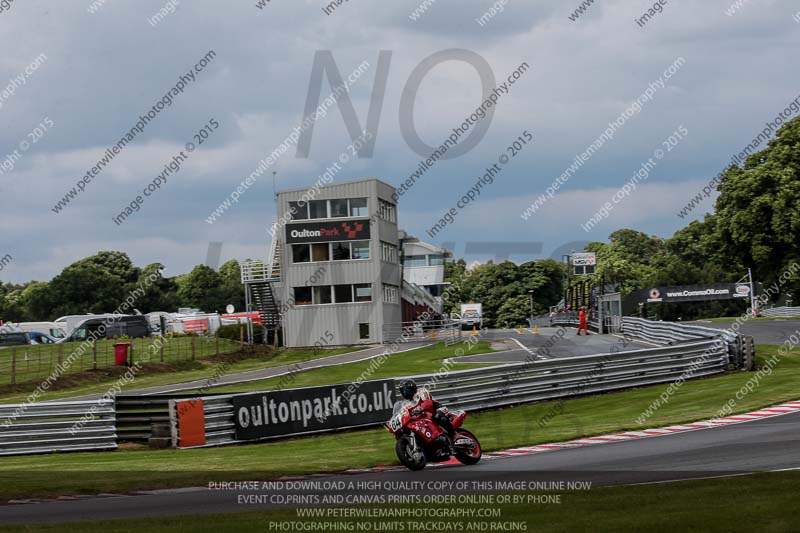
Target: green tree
point(627, 260)
point(544, 277)
point(86, 287)
point(758, 209)
point(202, 289)
point(117, 264)
point(38, 302)
point(502, 288)
point(232, 288)
point(514, 312)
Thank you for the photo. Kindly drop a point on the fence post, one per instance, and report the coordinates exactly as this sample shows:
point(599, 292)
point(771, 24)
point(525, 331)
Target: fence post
point(193, 338)
point(162, 348)
point(130, 361)
point(60, 353)
point(241, 337)
point(94, 354)
point(216, 342)
point(13, 366)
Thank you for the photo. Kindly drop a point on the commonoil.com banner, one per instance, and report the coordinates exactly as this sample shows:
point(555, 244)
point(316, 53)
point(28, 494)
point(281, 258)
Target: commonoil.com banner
point(287, 412)
point(689, 293)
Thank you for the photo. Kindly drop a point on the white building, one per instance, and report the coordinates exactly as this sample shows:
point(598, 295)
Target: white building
point(423, 265)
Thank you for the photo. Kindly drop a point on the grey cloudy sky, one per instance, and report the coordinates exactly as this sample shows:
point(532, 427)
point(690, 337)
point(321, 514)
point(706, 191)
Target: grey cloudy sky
point(104, 69)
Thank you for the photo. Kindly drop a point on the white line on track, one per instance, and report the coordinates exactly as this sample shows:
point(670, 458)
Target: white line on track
point(524, 347)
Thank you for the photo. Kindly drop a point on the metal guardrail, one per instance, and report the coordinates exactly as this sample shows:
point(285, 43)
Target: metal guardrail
point(782, 311)
point(45, 427)
point(671, 333)
point(143, 418)
point(667, 333)
point(220, 427)
point(139, 417)
point(559, 378)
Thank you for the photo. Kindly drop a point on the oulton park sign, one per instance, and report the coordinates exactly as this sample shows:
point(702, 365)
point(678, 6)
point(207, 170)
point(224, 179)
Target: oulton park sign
point(328, 231)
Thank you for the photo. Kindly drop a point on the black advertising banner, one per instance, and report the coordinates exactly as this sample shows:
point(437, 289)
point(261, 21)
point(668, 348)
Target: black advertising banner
point(690, 293)
point(331, 230)
point(287, 412)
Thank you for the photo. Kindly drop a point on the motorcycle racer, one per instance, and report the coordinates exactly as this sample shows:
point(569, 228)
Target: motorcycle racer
point(421, 400)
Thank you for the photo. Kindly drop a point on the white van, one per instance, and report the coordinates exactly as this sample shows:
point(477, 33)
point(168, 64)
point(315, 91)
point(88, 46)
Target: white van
point(52, 329)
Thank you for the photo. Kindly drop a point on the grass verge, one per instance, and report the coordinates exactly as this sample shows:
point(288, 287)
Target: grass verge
point(90, 473)
point(420, 361)
point(709, 505)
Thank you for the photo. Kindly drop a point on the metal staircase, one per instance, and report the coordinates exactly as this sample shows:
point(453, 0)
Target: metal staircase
point(275, 258)
point(261, 283)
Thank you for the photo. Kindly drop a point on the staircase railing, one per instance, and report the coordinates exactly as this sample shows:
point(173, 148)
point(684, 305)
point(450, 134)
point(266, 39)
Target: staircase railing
point(254, 272)
point(274, 260)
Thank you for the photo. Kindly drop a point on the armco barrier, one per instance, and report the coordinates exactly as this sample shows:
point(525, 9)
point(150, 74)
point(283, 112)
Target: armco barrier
point(558, 378)
point(783, 311)
point(137, 416)
point(143, 418)
point(672, 333)
point(667, 333)
point(45, 427)
point(504, 385)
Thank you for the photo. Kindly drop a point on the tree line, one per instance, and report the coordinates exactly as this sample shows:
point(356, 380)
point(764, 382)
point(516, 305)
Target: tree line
point(98, 284)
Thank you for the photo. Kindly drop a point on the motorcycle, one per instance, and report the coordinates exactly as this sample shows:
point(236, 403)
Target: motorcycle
point(421, 440)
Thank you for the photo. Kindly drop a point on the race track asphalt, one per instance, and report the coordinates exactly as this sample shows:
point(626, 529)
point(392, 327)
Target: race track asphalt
point(755, 446)
point(570, 345)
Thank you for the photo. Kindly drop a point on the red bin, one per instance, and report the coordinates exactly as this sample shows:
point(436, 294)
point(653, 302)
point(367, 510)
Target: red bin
point(121, 353)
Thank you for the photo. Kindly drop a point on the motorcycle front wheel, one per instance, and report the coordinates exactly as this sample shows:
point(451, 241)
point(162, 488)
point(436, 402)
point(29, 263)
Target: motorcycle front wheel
point(405, 452)
point(468, 454)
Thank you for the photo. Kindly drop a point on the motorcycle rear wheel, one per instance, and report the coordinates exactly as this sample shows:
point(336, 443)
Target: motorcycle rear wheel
point(404, 451)
point(468, 457)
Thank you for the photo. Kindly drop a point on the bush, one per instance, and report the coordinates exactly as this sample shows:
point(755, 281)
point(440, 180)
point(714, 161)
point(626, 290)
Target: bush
point(232, 332)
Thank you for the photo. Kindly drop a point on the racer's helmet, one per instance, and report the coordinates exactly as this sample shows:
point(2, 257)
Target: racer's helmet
point(408, 388)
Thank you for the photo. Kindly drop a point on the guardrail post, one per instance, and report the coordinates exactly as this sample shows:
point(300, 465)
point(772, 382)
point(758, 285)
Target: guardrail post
point(94, 354)
point(741, 353)
point(13, 366)
point(749, 350)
